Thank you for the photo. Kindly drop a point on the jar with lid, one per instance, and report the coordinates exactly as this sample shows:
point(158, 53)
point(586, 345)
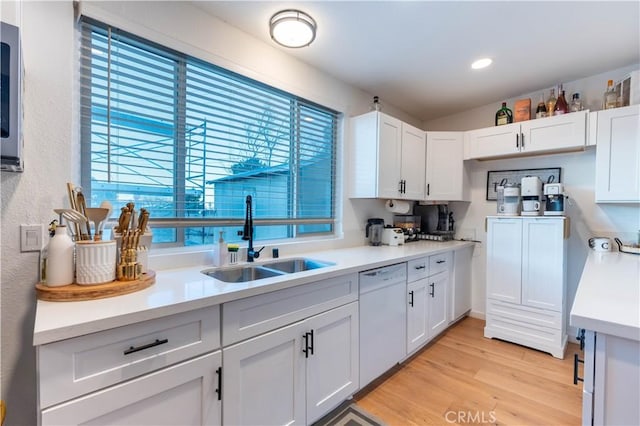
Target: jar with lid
point(576, 103)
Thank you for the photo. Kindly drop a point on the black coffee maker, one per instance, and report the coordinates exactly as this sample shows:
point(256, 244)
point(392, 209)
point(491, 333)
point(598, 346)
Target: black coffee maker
point(373, 231)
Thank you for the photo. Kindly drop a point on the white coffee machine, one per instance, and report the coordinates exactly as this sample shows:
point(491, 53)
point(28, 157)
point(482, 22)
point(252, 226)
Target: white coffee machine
point(555, 199)
point(531, 193)
point(508, 197)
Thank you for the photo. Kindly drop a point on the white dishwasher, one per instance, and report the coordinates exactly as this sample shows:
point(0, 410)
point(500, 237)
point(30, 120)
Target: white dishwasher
point(383, 319)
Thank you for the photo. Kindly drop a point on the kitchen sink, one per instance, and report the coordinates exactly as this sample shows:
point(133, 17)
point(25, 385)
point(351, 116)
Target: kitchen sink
point(297, 265)
point(244, 273)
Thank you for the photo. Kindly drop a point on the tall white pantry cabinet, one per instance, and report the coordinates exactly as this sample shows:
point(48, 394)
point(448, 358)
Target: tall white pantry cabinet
point(526, 281)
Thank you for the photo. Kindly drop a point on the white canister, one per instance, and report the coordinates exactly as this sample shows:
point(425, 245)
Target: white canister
point(95, 262)
point(59, 270)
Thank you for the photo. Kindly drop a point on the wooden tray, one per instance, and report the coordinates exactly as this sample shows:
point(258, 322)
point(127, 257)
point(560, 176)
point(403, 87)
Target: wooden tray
point(76, 292)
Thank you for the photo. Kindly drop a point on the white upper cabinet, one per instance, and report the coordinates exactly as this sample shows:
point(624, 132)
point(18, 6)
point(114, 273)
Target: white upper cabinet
point(617, 154)
point(388, 158)
point(446, 178)
point(560, 133)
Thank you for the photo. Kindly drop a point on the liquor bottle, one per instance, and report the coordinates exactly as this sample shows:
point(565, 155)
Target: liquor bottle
point(541, 111)
point(551, 102)
point(610, 99)
point(576, 103)
point(561, 106)
point(504, 115)
point(375, 105)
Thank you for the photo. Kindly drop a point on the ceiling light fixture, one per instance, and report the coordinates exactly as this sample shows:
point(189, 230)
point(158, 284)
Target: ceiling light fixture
point(292, 28)
point(481, 63)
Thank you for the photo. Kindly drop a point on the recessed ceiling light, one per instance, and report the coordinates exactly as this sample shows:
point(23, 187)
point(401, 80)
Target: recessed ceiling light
point(481, 63)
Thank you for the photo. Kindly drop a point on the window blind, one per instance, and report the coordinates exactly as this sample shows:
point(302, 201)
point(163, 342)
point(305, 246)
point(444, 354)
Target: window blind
point(189, 140)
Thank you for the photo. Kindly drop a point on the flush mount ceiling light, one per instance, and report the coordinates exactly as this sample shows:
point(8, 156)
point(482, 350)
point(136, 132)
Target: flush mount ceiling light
point(292, 28)
point(481, 63)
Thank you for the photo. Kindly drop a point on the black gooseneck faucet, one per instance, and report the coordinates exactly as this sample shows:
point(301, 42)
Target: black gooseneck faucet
point(247, 233)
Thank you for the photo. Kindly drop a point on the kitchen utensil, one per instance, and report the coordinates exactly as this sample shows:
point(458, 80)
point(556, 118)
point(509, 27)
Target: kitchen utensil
point(105, 205)
point(97, 215)
point(73, 205)
point(82, 208)
point(373, 231)
point(627, 248)
point(73, 216)
point(600, 243)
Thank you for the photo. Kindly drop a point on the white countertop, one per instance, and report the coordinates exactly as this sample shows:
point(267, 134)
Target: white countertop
point(608, 296)
point(185, 289)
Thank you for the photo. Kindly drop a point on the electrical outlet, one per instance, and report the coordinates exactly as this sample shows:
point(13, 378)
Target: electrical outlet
point(31, 237)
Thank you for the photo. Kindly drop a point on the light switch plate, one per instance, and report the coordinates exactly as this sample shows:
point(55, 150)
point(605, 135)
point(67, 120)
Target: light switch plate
point(31, 237)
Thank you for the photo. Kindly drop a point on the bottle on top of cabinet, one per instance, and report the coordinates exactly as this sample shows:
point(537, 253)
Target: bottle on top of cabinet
point(504, 115)
point(60, 267)
point(576, 103)
point(541, 110)
point(610, 100)
point(551, 102)
point(561, 106)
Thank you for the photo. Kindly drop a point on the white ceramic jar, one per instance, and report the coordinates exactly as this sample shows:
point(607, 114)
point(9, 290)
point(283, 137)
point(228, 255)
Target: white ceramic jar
point(60, 266)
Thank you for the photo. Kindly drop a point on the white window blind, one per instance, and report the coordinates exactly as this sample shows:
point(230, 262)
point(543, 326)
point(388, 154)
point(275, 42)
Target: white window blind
point(189, 141)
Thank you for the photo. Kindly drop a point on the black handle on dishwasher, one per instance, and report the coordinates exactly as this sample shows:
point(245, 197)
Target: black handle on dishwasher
point(133, 349)
point(219, 390)
point(411, 300)
point(576, 361)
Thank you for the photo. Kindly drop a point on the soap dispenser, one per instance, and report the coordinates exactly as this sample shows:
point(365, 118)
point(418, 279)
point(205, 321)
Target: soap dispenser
point(220, 252)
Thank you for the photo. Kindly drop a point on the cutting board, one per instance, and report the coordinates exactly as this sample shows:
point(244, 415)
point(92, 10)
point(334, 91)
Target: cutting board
point(75, 292)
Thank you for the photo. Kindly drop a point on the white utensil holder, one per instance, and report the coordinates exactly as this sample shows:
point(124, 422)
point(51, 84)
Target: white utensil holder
point(95, 262)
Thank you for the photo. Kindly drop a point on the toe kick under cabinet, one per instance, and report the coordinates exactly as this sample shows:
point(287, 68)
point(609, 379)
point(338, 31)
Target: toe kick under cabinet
point(526, 282)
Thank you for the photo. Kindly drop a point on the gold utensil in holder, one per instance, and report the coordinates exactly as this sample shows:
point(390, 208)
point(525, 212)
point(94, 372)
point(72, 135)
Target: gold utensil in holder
point(128, 268)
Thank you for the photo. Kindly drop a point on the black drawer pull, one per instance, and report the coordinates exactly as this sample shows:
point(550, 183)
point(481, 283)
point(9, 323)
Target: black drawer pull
point(576, 361)
point(133, 349)
point(440, 261)
point(420, 267)
point(411, 300)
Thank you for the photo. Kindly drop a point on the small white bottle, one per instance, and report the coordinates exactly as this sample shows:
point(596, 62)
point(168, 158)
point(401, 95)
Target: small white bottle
point(220, 252)
point(60, 268)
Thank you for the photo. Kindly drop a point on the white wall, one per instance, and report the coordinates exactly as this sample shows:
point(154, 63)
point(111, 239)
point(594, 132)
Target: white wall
point(52, 147)
point(578, 175)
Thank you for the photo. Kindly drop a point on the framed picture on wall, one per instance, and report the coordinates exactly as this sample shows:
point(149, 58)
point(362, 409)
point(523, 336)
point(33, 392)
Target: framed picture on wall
point(502, 177)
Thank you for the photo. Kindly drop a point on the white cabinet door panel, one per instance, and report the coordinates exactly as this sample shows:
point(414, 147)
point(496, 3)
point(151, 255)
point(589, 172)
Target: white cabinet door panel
point(413, 162)
point(417, 320)
point(390, 156)
point(554, 133)
point(332, 368)
point(263, 379)
point(543, 264)
point(445, 168)
point(504, 259)
point(437, 303)
point(494, 141)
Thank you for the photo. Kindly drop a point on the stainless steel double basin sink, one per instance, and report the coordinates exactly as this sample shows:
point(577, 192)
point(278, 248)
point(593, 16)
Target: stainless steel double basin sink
point(249, 272)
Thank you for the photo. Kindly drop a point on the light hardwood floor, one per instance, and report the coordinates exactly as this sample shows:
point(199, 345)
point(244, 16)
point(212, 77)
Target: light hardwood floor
point(463, 378)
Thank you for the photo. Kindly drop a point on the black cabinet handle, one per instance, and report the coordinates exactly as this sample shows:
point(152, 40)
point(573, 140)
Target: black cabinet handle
point(517, 140)
point(411, 299)
point(133, 349)
point(311, 346)
point(580, 338)
point(419, 267)
point(400, 187)
point(576, 361)
point(219, 390)
point(305, 350)
point(522, 141)
point(432, 293)
point(440, 261)
point(428, 185)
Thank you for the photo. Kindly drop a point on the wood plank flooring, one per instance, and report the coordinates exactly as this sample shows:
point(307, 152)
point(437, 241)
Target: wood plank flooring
point(463, 378)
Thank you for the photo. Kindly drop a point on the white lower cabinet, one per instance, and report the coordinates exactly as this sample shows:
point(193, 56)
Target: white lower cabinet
point(295, 374)
point(183, 394)
point(427, 298)
point(611, 388)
